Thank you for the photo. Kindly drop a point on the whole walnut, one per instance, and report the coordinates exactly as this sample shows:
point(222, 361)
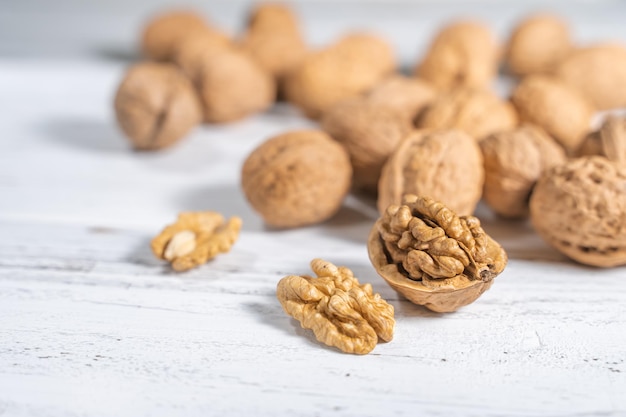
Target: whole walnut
point(346, 69)
point(598, 72)
point(156, 105)
point(297, 178)
point(404, 95)
point(198, 47)
point(478, 112)
point(463, 54)
point(556, 107)
point(609, 141)
point(514, 161)
point(369, 132)
point(445, 165)
point(273, 38)
point(164, 33)
point(537, 44)
point(580, 209)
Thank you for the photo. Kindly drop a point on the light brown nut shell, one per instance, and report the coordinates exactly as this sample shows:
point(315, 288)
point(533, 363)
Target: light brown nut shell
point(406, 96)
point(346, 69)
point(598, 72)
point(156, 105)
point(297, 178)
point(537, 44)
point(194, 49)
point(477, 112)
point(514, 161)
point(444, 165)
point(369, 132)
point(463, 54)
point(430, 237)
point(579, 208)
point(233, 86)
point(609, 141)
point(555, 107)
point(163, 34)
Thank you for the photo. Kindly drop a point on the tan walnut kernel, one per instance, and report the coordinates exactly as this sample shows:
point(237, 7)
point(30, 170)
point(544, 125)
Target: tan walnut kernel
point(432, 256)
point(340, 311)
point(608, 141)
point(195, 238)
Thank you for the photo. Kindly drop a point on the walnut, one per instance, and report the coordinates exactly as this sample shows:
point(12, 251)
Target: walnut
point(514, 161)
point(369, 132)
point(346, 69)
point(432, 256)
point(444, 165)
point(196, 48)
point(463, 54)
point(598, 72)
point(340, 311)
point(579, 208)
point(164, 33)
point(273, 38)
point(156, 105)
point(195, 238)
point(404, 95)
point(609, 141)
point(297, 178)
point(554, 106)
point(537, 44)
point(478, 112)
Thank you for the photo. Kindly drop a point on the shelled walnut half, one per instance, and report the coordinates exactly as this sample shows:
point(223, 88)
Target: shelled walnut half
point(195, 238)
point(340, 311)
point(432, 256)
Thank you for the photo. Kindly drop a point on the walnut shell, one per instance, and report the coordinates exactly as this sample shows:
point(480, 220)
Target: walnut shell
point(297, 178)
point(556, 107)
point(444, 165)
point(598, 72)
point(195, 48)
point(346, 69)
point(579, 208)
point(164, 33)
point(463, 54)
point(432, 256)
point(514, 162)
point(478, 112)
point(404, 95)
point(609, 141)
point(537, 44)
point(156, 105)
point(369, 132)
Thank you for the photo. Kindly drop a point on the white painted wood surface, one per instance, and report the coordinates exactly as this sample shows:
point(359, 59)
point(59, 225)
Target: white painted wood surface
point(92, 325)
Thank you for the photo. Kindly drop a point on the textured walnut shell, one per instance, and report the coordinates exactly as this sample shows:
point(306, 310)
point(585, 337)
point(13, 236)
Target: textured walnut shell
point(609, 141)
point(406, 96)
point(556, 107)
point(195, 48)
point(369, 132)
point(444, 165)
point(346, 69)
point(579, 208)
point(156, 105)
point(514, 162)
point(454, 259)
point(537, 44)
point(164, 33)
point(297, 178)
point(463, 54)
point(477, 112)
point(233, 86)
point(598, 72)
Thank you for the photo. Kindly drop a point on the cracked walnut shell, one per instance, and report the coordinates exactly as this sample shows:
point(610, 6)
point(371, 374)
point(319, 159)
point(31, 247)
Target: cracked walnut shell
point(609, 141)
point(579, 208)
point(156, 105)
point(195, 238)
point(340, 311)
point(432, 256)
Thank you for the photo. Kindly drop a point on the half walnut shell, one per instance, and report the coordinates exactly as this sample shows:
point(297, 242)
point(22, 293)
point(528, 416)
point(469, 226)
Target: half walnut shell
point(432, 256)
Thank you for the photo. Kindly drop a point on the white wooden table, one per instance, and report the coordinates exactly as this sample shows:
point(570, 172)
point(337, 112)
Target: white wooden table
point(92, 325)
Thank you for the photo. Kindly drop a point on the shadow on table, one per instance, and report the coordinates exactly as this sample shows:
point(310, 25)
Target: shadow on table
point(116, 53)
point(85, 134)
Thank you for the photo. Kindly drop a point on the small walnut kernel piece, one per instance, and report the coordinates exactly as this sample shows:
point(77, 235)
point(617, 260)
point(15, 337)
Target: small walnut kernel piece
point(164, 33)
point(579, 208)
point(609, 141)
point(432, 256)
point(195, 238)
point(340, 311)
